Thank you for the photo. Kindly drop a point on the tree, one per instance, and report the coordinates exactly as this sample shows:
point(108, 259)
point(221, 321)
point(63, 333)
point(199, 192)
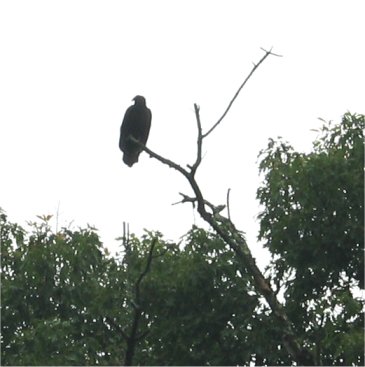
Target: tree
point(225, 228)
point(313, 224)
point(204, 301)
point(57, 291)
point(66, 301)
point(194, 298)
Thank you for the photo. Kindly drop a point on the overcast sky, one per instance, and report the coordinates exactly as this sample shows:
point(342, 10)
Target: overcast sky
point(69, 69)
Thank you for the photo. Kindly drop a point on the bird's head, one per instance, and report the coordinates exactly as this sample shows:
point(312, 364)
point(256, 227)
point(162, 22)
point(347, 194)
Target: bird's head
point(139, 100)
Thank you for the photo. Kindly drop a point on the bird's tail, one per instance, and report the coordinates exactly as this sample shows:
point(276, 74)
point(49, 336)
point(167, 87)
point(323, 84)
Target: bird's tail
point(130, 159)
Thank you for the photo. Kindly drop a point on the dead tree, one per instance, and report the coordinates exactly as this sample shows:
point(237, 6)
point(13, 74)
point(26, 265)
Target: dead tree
point(225, 228)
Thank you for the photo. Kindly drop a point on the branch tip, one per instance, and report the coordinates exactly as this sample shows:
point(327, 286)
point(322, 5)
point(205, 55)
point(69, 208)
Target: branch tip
point(267, 53)
point(270, 52)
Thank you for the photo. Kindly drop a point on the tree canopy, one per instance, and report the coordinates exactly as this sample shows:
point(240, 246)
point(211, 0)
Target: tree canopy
point(67, 301)
point(313, 224)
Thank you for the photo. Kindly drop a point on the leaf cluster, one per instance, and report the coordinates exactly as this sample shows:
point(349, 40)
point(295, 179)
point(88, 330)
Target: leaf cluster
point(313, 223)
point(55, 289)
point(65, 301)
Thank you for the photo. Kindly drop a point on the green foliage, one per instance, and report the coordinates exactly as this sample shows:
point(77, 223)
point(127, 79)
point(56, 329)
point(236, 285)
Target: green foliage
point(66, 301)
point(56, 291)
point(313, 223)
point(193, 295)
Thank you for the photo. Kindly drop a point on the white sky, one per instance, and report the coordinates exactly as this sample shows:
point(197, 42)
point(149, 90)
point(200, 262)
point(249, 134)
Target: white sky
point(69, 69)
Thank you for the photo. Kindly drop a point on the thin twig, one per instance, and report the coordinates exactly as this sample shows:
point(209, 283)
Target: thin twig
point(57, 215)
point(187, 199)
point(267, 53)
point(199, 141)
point(228, 210)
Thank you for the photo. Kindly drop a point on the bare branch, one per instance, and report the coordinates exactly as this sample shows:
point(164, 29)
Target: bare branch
point(185, 173)
point(199, 141)
point(271, 53)
point(187, 199)
point(267, 53)
point(234, 238)
point(231, 236)
point(163, 160)
point(228, 209)
point(125, 234)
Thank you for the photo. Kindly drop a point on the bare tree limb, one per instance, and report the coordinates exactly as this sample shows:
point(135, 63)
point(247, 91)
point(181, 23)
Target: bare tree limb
point(267, 53)
point(232, 236)
point(228, 209)
point(163, 160)
point(188, 199)
point(199, 141)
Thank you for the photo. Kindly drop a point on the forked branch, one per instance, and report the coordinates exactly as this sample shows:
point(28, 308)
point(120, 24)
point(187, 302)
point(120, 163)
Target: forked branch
point(255, 66)
point(233, 237)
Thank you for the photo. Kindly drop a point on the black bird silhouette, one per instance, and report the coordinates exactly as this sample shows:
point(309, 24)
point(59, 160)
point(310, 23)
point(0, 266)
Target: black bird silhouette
point(136, 123)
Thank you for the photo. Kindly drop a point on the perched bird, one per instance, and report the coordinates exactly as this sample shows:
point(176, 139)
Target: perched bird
point(136, 123)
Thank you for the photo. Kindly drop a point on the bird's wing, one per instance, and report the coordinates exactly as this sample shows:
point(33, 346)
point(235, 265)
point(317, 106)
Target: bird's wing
point(145, 131)
point(126, 127)
point(127, 120)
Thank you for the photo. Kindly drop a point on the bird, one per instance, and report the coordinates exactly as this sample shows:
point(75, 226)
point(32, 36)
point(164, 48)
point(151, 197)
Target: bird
point(136, 123)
